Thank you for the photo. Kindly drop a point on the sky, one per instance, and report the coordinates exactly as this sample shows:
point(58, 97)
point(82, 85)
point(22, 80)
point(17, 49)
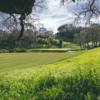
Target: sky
point(52, 16)
point(55, 15)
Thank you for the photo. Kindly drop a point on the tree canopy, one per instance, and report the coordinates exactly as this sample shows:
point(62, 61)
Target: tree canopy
point(66, 32)
point(16, 6)
point(21, 7)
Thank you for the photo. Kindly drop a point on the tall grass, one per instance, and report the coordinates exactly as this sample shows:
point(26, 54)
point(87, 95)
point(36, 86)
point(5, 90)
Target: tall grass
point(83, 86)
point(78, 87)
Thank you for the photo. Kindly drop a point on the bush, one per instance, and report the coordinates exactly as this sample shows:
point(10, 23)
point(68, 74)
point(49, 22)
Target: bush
point(4, 51)
point(40, 46)
point(20, 50)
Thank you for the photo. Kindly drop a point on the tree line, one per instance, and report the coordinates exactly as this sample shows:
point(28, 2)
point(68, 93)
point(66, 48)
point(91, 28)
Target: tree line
point(30, 39)
point(86, 37)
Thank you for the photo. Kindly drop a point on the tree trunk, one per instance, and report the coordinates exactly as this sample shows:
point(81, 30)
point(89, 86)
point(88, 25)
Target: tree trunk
point(22, 18)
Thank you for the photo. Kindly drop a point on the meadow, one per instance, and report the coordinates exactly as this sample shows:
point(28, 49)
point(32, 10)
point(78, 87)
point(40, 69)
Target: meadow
point(50, 76)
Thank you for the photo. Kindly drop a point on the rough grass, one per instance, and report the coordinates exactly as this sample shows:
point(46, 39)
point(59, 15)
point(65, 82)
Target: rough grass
point(74, 78)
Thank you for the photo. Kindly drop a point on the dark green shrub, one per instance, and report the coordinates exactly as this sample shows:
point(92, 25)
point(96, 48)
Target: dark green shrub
point(20, 50)
point(4, 51)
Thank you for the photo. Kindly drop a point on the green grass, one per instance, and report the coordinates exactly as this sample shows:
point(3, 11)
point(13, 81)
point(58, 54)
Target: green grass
point(15, 61)
point(59, 50)
point(74, 76)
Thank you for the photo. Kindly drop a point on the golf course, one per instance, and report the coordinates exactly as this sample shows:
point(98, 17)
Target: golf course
point(49, 76)
point(50, 50)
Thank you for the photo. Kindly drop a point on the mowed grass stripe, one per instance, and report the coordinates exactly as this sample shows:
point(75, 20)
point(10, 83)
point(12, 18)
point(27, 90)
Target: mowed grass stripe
point(26, 60)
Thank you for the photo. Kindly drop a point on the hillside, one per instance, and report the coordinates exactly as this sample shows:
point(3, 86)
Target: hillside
point(80, 60)
point(48, 81)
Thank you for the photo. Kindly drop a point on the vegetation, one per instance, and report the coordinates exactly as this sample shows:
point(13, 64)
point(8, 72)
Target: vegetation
point(13, 61)
point(89, 37)
point(66, 32)
point(20, 7)
point(63, 80)
point(86, 37)
point(29, 40)
point(38, 65)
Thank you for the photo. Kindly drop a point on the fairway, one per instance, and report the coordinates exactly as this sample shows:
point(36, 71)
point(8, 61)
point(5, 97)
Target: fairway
point(12, 61)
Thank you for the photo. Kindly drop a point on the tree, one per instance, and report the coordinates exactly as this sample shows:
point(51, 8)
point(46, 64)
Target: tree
point(95, 34)
point(88, 10)
point(89, 37)
point(21, 7)
point(67, 32)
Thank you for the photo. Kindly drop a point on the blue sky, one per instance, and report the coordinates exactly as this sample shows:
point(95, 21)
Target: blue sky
point(55, 15)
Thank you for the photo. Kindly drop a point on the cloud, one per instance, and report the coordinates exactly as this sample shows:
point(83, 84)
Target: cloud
point(55, 15)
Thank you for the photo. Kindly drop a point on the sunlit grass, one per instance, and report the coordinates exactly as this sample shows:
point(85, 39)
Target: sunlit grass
point(14, 61)
point(21, 81)
point(27, 65)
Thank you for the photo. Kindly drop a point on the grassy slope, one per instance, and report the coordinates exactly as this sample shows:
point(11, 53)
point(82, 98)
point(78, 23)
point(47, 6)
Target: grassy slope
point(20, 84)
point(87, 59)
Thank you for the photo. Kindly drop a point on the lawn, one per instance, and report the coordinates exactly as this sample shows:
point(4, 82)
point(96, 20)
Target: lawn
point(74, 76)
point(14, 61)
